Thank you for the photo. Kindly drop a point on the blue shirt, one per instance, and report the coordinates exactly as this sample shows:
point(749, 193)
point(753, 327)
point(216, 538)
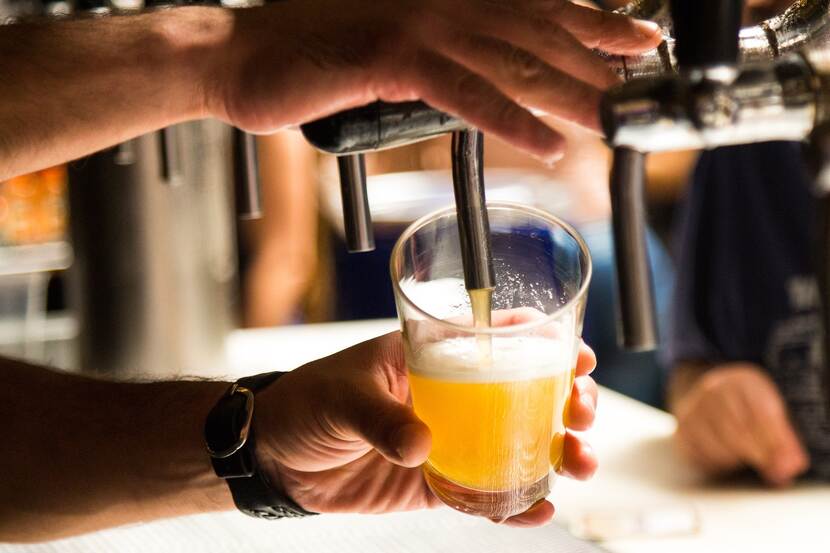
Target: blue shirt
point(745, 288)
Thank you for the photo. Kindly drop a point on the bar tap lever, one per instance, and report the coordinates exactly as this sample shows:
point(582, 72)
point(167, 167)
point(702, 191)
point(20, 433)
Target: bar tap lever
point(357, 217)
point(246, 176)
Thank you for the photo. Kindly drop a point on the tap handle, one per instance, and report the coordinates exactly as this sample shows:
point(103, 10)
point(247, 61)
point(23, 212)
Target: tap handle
point(635, 294)
point(246, 176)
point(706, 32)
point(377, 126)
point(357, 218)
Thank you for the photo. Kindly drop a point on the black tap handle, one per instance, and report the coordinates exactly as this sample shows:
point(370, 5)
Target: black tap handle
point(706, 32)
point(378, 126)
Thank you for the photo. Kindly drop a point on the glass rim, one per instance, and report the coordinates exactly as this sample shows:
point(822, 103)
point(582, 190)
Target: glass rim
point(497, 330)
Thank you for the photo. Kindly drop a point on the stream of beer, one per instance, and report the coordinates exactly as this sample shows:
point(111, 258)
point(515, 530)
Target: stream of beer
point(481, 303)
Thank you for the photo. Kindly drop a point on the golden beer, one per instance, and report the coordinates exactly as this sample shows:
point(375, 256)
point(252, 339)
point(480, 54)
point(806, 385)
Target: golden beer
point(496, 420)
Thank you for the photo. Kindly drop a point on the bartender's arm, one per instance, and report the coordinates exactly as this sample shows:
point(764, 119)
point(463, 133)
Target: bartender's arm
point(732, 415)
point(73, 87)
point(336, 435)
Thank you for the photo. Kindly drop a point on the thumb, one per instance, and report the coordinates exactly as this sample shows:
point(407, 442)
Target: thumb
point(389, 426)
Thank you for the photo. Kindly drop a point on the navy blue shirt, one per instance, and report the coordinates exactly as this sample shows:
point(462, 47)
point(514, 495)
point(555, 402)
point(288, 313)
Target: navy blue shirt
point(745, 288)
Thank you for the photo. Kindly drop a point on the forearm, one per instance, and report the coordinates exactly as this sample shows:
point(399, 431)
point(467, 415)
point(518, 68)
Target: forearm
point(84, 454)
point(70, 88)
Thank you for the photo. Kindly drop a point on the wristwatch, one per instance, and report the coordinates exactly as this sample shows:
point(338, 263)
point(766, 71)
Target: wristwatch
point(229, 437)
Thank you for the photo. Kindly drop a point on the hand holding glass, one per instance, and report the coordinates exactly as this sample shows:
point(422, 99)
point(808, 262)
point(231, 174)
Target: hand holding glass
point(494, 398)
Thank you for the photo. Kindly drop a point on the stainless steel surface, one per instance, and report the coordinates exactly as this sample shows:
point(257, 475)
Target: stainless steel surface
point(644, 9)
point(153, 282)
point(470, 204)
point(246, 176)
point(773, 101)
point(802, 25)
point(357, 217)
point(635, 298)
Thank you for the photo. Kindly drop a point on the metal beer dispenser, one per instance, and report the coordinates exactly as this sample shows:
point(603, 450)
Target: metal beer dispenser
point(710, 83)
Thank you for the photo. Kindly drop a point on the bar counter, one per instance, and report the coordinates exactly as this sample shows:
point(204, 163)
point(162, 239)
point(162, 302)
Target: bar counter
point(643, 498)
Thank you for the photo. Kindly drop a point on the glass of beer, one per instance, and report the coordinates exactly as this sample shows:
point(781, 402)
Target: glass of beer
point(493, 395)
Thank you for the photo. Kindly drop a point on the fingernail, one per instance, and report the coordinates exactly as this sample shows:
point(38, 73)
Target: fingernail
point(589, 403)
point(647, 29)
point(406, 447)
point(551, 160)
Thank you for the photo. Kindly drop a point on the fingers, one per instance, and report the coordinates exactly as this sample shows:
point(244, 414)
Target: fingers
point(546, 39)
point(605, 30)
point(516, 316)
point(388, 425)
point(728, 420)
point(580, 462)
point(699, 446)
point(538, 515)
point(586, 360)
point(527, 79)
point(450, 87)
point(582, 406)
point(735, 416)
point(782, 455)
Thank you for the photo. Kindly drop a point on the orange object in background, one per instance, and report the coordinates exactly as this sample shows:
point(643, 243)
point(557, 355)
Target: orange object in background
point(33, 207)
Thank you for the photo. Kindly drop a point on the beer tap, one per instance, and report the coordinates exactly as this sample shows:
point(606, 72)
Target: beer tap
point(357, 217)
point(382, 125)
point(706, 35)
point(710, 83)
point(714, 102)
point(377, 126)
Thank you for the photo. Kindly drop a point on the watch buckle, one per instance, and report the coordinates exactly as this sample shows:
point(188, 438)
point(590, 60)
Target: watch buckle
point(246, 427)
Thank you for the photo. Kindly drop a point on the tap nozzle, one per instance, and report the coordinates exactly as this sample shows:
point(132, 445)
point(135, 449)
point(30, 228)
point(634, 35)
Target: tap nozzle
point(471, 206)
point(357, 217)
point(635, 295)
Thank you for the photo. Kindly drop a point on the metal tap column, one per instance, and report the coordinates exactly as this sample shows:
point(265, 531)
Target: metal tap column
point(471, 206)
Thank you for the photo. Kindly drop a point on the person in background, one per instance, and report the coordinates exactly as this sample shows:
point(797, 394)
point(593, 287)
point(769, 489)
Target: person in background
point(280, 251)
point(336, 435)
point(745, 345)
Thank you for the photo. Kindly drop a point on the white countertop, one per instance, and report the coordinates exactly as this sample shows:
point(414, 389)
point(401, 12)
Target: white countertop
point(638, 473)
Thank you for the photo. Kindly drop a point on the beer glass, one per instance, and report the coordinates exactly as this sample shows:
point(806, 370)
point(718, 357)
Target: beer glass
point(493, 397)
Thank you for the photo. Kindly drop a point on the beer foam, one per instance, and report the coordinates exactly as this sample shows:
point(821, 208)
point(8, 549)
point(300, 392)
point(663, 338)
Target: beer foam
point(511, 358)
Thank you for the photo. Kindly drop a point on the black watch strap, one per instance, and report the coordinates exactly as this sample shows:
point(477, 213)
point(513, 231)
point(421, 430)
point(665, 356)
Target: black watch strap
point(231, 443)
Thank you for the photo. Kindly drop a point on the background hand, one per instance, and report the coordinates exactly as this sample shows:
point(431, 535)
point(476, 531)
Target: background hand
point(734, 416)
point(340, 435)
point(485, 61)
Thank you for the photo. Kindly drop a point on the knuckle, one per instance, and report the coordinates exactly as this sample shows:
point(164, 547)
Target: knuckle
point(467, 87)
point(524, 66)
point(552, 8)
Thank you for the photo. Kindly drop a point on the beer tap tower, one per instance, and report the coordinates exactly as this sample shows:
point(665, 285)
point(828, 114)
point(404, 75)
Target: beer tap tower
point(709, 84)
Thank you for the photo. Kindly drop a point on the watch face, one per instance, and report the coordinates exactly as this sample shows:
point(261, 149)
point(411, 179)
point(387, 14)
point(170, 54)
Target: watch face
point(229, 423)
